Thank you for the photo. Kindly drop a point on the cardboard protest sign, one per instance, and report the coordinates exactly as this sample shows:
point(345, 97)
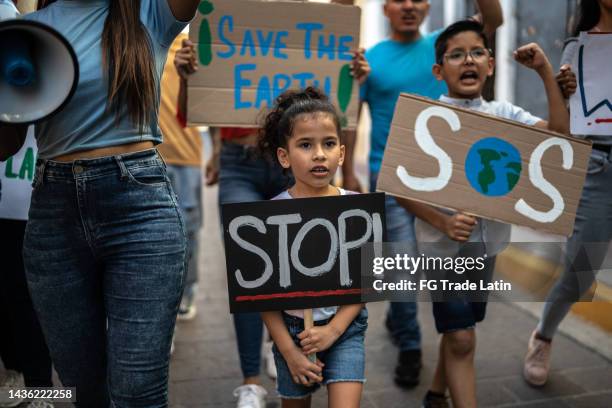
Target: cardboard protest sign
point(16, 175)
point(591, 105)
point(301, 253)
point(491, 167)
point(251, 51)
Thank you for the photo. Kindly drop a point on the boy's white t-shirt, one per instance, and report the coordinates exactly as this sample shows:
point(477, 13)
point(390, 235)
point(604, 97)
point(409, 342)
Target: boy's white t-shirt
point(494, 234)
point(319, 313)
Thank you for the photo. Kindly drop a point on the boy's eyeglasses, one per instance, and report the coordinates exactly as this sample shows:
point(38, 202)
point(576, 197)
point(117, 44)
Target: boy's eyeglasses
point(458, 57)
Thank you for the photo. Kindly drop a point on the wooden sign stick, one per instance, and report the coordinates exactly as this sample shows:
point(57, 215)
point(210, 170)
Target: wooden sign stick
point(309, 323)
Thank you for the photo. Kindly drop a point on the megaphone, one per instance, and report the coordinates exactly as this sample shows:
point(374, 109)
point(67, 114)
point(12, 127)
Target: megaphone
point(39, 72)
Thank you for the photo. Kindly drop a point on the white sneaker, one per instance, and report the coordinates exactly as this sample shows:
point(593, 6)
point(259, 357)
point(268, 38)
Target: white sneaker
point(251, 396)
point(269, 359)
point(187, 309)
point(537, 361)
point(12, 380)
point(40, 404)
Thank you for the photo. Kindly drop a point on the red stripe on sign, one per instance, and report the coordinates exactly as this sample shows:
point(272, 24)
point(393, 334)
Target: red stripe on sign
point(288, 295)
point(603, 120)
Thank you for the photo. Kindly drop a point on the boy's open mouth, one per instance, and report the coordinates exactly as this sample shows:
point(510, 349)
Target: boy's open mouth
point(319, 170)
point(469, 77)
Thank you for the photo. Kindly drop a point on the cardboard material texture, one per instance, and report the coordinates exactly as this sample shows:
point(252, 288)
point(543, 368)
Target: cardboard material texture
point(301, 253)
point(484, 165)
point(250, 51)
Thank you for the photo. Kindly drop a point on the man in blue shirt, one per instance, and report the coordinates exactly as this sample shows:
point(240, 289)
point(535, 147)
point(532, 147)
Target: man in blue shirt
point(403, 63)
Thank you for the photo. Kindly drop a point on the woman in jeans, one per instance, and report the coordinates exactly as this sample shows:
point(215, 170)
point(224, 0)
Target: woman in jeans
point(104, 247)
point(588, 245)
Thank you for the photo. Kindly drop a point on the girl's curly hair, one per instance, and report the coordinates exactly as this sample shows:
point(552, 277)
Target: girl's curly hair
point(278, 124)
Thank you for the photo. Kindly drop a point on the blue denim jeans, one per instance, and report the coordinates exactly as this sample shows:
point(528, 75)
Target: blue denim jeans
point(402, 316)
point(243, 177)
point(104, 254)
point(344, 360)
point(587, 247)
point(187, 184)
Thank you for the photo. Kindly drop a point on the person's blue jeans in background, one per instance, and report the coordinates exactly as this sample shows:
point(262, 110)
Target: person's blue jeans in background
point(187, 184)
point(587, 247)
point(401, 316)
point(244, 177)
point(104, 253)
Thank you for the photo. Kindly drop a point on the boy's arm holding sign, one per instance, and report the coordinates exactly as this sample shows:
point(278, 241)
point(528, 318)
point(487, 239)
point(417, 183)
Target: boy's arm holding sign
point(458, 226)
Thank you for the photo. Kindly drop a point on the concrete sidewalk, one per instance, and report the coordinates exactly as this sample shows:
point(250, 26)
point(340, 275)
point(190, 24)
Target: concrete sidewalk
point(205, 368)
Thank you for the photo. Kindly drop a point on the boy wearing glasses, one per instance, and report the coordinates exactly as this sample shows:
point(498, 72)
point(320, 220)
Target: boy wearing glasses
point(464, 62)
point(402, 63)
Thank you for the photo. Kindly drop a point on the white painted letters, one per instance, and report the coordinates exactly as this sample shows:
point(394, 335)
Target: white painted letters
point(289, 253)
point(283, 247)
point(426, 142)
point(297, 243)
point(250, 221)
point(537, 179)
point(428, 145)
point(345, 279)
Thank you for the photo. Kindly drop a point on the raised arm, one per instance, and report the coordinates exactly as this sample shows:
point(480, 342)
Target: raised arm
point(532, 56)
point(185, 63)
point(490, 15)
point(183, 10)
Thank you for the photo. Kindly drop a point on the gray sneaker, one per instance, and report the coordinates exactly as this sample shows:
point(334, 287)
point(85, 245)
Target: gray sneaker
point(251, 396)
point(187, 309)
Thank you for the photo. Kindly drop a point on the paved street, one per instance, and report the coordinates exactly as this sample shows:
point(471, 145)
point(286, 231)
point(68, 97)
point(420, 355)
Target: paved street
point(205, 367)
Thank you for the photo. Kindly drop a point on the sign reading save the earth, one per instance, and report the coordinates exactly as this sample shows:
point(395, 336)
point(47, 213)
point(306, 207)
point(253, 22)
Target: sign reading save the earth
point(495, 168)
point(251, 51)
